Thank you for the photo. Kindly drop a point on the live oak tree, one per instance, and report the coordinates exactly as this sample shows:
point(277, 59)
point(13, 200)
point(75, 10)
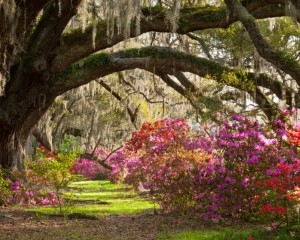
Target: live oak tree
point(42, 56)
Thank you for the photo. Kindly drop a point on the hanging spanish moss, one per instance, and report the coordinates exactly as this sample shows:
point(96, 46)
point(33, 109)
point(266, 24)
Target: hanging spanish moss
point(257, 61)
point(118, 14)
point(122, 16)
point(272, 24)
point(290, 10)
point(83, 14)
point(283, 104)
point(173, 15)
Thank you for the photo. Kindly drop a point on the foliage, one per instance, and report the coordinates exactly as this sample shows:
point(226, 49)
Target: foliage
point(4, 188)
point(91, 169)
point(225, 234)
point(158, 158)
point(68, 146)
point(43, 180)
point(54, 169)
point(242, 169)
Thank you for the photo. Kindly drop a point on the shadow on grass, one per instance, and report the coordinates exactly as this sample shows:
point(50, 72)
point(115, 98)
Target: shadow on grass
point(100, 189)
point(85, 202)
point(98, 198)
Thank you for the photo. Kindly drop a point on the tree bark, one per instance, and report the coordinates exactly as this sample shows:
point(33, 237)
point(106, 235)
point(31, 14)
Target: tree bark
point(12, 148)
point(15, 130)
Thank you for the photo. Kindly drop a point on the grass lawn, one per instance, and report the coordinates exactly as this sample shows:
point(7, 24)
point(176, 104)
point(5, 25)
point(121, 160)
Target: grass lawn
point(219, 234)
point(96, 198)
point(229, 233)
point(100, 210)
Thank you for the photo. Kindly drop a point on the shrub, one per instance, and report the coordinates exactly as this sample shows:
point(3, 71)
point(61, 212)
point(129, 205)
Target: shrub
point(4, 188)
point(250, 153)
point(91, 169)
point(43, 180)
point(241, 169)
point(160, 157)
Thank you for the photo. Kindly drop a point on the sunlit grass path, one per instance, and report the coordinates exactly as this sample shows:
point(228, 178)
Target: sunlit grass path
point(96, 198)
point(100, 210)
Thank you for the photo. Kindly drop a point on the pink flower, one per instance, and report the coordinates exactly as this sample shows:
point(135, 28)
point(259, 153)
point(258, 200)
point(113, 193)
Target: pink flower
point(274, 225)
point(46, 201)
point(15, 186)
point(245, 182)
point(29, 194)
point(252, 160)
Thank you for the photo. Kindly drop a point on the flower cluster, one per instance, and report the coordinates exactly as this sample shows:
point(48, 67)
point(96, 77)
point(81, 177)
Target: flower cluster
point(20, 195)
point(91, 169)
point(239, 169)
point(269, 208)
point(294, 135)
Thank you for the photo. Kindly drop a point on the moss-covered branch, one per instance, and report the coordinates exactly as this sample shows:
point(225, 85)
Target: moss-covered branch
point(78, 45)
point(157, 58)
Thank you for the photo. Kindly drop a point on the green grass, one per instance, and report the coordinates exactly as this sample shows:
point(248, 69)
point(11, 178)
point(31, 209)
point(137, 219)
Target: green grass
point(207, 235)
point(226, 233)
point(96, 198)
point(92, 199)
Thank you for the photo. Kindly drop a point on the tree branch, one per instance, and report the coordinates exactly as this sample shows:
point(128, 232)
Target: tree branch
point(49, 29)
point(78, 45)
point(278, 58)
point(202, 43)
point(103, 64)
point(40, 138)
point(132, 115)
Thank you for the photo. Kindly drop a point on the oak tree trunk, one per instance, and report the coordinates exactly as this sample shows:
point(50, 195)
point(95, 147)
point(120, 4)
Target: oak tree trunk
point(11, 149)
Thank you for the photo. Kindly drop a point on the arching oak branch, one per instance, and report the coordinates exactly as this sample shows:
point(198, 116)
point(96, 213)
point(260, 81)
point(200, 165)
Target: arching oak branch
point(78, 45)
point(102, 64)
point(148, 58)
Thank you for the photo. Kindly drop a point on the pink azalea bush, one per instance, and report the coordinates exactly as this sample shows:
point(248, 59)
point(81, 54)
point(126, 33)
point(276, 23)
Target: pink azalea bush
point(248, 154)
point(227, 174)
point(160, 158)
point(91, 169)
point(43, 180)
point(21, 196)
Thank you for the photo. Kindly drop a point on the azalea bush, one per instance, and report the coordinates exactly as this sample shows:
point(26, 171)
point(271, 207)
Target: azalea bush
point(23, 195)
point(160, 159)
point(53, 169)
point(91, 169)
point(43, 180)
point(241, 168)
point(251, 155)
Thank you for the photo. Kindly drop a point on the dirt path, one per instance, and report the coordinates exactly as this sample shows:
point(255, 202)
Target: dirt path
point(20, 225)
